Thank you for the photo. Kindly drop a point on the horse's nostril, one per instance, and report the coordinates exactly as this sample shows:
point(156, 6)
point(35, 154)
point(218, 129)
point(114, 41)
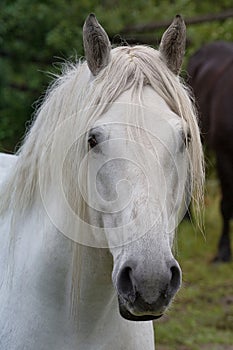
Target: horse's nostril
point(175, 277)
point(125, 284)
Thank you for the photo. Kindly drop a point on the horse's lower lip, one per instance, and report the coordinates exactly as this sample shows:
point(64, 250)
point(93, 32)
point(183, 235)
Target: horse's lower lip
point(131, 317)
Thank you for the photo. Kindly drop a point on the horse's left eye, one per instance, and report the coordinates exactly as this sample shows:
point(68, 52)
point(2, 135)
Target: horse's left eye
point(92, 141)
point(187, 139)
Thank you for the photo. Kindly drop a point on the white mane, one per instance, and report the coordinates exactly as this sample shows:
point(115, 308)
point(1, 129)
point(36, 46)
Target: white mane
point(71, 94)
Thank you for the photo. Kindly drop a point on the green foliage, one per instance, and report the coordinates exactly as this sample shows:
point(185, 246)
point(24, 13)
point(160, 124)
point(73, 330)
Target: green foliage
point(36, 33)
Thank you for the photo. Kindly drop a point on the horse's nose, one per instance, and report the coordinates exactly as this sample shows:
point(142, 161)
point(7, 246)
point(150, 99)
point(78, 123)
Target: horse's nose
point(175, 280)
point(126, 284)
point(131, 283)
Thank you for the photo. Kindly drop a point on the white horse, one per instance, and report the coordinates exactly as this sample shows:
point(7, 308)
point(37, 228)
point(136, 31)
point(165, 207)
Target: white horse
point(90, 204)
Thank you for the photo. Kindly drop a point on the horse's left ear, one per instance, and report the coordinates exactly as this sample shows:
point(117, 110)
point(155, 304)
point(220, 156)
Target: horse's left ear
point(96, 44)
point(172, 46)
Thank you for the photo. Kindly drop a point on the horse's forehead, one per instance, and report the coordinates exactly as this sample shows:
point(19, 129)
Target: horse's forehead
point(152, 113)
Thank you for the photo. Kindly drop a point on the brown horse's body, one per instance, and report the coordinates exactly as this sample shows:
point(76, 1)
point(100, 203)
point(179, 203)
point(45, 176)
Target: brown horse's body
point(211, 77)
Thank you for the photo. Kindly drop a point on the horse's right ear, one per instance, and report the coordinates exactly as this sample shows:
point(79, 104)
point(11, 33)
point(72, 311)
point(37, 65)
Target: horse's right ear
point(172, 46)
point(96, 44)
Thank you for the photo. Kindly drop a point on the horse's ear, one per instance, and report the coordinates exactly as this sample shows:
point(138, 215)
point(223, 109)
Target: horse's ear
point(172, 46)
point(97, 46)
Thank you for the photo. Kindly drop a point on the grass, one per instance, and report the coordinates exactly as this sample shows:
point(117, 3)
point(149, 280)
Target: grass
point(201, 317)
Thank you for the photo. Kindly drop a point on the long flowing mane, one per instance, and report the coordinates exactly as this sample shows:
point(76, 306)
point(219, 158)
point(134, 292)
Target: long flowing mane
point(73, 95)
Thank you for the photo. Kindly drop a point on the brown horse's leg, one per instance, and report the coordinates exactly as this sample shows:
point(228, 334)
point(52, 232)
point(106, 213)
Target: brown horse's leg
point(224, 245)
point(225, 172)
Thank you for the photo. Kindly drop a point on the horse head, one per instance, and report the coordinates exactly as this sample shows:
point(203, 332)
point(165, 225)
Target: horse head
point(138, 168)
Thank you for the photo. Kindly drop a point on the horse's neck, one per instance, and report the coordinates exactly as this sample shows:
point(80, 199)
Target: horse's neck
point(36, 304)
point(34, 294)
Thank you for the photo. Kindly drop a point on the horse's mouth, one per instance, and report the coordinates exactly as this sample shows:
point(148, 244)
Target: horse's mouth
point(125, 313)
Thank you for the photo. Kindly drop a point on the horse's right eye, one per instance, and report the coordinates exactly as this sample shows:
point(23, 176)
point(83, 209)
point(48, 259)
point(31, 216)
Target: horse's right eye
point(92, 141)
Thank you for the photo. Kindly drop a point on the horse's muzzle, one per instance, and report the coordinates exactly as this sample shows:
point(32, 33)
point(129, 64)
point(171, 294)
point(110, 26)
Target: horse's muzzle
point(138, 301)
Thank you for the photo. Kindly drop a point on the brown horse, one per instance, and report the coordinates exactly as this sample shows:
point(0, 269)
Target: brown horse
point(210, 73)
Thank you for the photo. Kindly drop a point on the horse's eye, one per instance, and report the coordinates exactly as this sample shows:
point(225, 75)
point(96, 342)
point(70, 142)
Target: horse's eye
point(187, 139)
point(92, 141)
